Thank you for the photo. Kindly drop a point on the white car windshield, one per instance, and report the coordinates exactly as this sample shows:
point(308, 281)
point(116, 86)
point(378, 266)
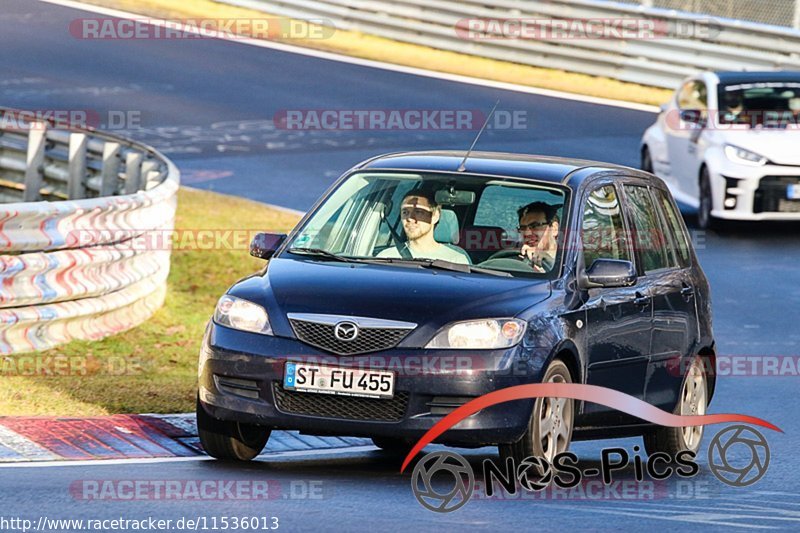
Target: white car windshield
point(476, 222)
point(761, 104)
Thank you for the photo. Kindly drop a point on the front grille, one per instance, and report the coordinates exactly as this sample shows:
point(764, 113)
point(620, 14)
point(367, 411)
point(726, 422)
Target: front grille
point(771, 195)
point(368, 340)
point(344, 407)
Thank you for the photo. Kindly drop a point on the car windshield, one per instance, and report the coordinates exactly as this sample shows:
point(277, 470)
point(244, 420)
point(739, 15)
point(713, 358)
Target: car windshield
point(472, 224)
point(764, 104)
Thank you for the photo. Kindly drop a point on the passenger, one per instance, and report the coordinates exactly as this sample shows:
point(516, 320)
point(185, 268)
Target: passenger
point(538, 227)
point(419, 214)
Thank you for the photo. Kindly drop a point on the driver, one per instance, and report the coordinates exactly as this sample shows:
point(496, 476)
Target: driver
point(419, 214)
point(538, 227)
point(734, 105)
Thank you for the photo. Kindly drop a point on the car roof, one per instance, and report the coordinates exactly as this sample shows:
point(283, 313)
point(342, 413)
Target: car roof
point(734, 77)
point(525, 166)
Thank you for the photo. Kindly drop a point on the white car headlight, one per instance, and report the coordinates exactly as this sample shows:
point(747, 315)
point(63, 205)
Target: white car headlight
point(241, 314)
point(744, 157)
point(485, 334)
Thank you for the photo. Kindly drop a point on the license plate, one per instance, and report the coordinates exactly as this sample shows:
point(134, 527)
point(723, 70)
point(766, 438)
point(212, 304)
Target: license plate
point(793, 192)
point(341, 381)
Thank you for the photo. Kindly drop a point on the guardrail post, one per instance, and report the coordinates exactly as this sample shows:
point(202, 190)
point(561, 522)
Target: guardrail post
point(133, 172)
point(34, 163)
point(77, 166)
point(149, 172)
point(110, 173)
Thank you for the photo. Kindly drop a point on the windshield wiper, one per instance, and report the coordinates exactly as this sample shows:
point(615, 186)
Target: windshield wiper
point(322, 253)
point(442, 265)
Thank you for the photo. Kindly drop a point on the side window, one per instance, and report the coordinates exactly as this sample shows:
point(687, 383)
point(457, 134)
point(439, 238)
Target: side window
point(602, 229)
point(693, 95)
point(649, 237)
point(679, 237)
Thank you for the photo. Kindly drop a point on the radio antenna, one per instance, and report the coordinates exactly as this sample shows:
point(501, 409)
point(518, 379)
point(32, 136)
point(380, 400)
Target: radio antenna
point(462, 167)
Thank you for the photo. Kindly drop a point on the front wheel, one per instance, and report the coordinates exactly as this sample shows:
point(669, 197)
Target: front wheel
point(705, 220)
point(647, 160)
point(228, 440)
point(550, 428)
point(693, 401)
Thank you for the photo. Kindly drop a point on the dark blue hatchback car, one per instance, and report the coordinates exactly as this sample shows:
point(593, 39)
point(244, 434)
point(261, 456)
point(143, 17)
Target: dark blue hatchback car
point(423, 280)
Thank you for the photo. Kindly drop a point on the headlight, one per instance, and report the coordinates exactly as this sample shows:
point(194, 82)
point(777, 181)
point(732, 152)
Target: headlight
point(744, 157)
point(484, 334)
point(241, 314)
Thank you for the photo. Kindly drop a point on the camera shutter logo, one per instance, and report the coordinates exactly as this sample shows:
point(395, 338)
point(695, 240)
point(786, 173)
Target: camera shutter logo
point(460, 485)
point(534, 473)
point(346, 331)
point(733, 441)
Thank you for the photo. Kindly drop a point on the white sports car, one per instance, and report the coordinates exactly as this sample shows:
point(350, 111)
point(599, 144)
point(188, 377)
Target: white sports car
point(728, 143)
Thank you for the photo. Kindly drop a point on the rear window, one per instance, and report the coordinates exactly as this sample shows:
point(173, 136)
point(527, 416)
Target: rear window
point(679, 239)
point(649, 237)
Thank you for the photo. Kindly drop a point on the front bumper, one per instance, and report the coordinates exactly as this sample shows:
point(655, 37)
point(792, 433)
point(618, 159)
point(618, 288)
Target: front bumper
point(240, 377)
point(758, 193)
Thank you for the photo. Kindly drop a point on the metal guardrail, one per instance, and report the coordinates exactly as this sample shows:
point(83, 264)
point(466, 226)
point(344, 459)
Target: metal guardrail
point(660, 62)
point(78, 199)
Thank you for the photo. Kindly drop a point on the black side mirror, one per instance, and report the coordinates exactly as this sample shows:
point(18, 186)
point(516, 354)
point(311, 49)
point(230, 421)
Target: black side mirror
point(264, 245)
point(608, 273)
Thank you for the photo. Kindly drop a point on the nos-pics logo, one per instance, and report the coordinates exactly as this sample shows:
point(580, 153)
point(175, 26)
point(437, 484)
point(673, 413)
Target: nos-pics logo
point(444, 481)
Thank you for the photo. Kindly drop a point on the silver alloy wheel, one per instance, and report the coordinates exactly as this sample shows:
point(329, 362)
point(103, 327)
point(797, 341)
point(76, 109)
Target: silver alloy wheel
point(555, 423)
point(693, 402)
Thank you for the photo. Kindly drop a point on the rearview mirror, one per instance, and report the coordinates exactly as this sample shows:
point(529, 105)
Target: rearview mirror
point(609, 273)
point(454, 197)
point(264, 245)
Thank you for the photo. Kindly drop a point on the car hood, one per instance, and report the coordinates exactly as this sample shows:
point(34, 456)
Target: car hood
point(779, 146)
point(429, 298)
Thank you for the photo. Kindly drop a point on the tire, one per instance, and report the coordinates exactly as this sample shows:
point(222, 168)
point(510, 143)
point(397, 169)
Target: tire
point(392, 446)
point(647, 160)
point(693, 400)
point(228, 440)
point(537, 440)
point(705, 220)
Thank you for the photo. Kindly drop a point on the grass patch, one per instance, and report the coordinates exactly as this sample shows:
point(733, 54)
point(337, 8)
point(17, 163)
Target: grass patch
point(380, 49)
point(157, 361)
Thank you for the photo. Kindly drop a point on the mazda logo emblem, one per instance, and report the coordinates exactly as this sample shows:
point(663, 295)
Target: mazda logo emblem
point(345, 331)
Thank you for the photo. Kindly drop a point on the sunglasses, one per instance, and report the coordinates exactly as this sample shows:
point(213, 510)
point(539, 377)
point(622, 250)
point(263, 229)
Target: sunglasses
point(532, 226)
point(417, 212)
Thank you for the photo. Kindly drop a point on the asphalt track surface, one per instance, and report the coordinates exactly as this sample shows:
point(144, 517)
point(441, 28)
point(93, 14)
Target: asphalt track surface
point(209, 105)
